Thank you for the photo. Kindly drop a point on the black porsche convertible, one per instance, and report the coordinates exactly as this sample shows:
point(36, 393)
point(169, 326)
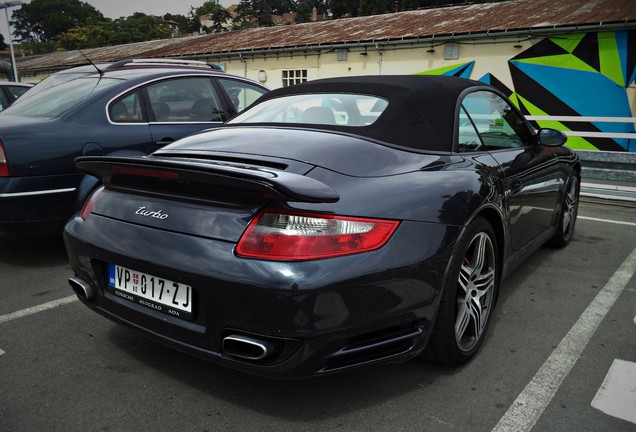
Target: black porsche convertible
point(335, 224)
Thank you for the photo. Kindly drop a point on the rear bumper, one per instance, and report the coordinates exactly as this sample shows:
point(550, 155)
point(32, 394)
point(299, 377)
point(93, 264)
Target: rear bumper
point(322, 316)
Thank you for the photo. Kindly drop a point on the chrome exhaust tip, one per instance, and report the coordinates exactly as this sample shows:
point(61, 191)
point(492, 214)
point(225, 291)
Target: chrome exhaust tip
point(82, 288)
point(246, 347)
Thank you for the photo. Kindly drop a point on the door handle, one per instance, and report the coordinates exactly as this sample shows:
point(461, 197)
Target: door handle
point(164, 141)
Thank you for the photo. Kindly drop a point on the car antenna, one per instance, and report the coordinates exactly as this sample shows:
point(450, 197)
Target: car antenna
point(101, 73)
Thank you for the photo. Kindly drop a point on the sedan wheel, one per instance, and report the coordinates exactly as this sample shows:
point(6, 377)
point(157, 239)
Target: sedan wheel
point(468, 299)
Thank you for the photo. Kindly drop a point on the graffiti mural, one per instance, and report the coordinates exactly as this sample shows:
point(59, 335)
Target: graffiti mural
point(585, 74)
point(461, 70)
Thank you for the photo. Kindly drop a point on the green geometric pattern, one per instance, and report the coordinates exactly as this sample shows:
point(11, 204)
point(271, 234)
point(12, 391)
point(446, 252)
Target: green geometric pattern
point(582, 74)
point(462, 70)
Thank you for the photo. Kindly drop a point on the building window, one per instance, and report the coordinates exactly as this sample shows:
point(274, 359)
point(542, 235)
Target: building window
point(451, 51)
point(291, 77)
point(341, 55)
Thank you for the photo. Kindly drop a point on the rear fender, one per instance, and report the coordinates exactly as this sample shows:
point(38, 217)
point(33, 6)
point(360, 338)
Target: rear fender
point(87, 185)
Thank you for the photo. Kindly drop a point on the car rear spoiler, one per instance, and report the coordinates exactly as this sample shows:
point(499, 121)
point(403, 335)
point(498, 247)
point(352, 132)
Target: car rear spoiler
point(271, 182)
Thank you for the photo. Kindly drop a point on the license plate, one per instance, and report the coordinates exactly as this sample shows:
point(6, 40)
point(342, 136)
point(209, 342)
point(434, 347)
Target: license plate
point(160, 294)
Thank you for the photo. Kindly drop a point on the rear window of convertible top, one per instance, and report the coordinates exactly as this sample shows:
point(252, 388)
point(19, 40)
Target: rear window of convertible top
point(341, 109)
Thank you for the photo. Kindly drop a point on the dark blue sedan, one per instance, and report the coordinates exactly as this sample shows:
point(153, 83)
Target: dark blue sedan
point(128, 107)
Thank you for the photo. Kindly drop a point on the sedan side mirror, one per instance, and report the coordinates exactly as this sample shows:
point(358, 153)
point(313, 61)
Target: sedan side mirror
point(551, 137)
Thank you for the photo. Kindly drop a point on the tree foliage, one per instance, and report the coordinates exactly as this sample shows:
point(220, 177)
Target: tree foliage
point(45, 20)
point(255, 10)
point(187, 24)
point(76, 25)
point(138, 27)
point(303, 12)
point(219, 16)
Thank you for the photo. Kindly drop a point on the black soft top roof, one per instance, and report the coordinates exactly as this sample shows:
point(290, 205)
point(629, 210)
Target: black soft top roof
point(420, 113)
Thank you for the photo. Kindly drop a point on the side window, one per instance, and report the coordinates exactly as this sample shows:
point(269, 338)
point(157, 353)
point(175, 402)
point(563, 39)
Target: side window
point(17, 91)
point(499, 126)
point(4, 101)
point(241, 94)
point(191, 99)
point(468, 138)
point(127, 109)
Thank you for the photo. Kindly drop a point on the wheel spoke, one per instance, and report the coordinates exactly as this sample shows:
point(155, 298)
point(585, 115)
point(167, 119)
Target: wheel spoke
point(567, 219)
point(484, 282)
point(464, 278)
point(478, 315)
point(463, 320)
point(471, 321)
point(571, 202)
point(481, 259)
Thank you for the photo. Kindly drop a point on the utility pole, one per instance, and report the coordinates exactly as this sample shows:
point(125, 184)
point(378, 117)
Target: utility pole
point(6, 5)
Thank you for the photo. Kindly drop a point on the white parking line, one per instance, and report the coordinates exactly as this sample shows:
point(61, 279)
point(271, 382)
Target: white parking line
point(617, 395)
point(1, 352)
point(36, 309)
point(530, 404)
point(607, 221)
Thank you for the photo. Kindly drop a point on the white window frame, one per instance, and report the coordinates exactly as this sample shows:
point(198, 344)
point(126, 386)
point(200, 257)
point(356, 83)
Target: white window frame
point(291, 77)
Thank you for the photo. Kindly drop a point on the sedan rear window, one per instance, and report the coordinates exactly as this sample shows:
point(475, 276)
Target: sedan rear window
point(58, 99)
point(57, 79)
point(318, 109)
point(17, 91)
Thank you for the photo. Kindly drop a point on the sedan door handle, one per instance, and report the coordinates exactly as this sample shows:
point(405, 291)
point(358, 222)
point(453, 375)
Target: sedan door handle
point(164, 141)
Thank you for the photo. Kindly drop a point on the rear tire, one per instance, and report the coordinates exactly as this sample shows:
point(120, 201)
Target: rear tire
point(567, 216)
point(468, 297)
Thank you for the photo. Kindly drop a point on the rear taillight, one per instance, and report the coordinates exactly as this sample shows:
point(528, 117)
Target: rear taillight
point(4, 163)
point(290, 236)
point(87, 208)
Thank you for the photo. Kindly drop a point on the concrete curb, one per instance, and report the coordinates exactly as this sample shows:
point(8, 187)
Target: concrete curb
point(608, 193)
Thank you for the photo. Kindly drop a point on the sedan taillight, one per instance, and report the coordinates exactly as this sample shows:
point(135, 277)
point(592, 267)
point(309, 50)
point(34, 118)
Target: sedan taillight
point(290, 236)
point(4, 163)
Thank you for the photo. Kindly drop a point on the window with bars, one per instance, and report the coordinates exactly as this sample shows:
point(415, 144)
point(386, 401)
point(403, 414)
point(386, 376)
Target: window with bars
point(294, 76)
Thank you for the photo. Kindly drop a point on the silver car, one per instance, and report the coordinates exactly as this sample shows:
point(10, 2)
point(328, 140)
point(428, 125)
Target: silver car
point(10, 91)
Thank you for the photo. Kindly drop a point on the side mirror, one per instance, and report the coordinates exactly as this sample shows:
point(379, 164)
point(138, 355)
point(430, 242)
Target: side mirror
point(551, 137)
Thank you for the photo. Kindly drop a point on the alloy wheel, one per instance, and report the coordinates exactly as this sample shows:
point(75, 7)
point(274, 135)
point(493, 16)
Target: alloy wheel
point(476, 290)
point(570, 208)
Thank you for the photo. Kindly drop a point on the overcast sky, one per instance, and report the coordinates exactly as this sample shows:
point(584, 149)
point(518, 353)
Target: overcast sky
point(119, 8)
point(124, 8)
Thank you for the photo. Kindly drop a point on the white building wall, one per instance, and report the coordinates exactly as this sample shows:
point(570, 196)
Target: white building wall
point(491, 57)
point(383, 60)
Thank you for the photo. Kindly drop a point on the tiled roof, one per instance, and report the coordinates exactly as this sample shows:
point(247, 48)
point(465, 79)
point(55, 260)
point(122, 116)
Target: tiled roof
point(471, 20)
